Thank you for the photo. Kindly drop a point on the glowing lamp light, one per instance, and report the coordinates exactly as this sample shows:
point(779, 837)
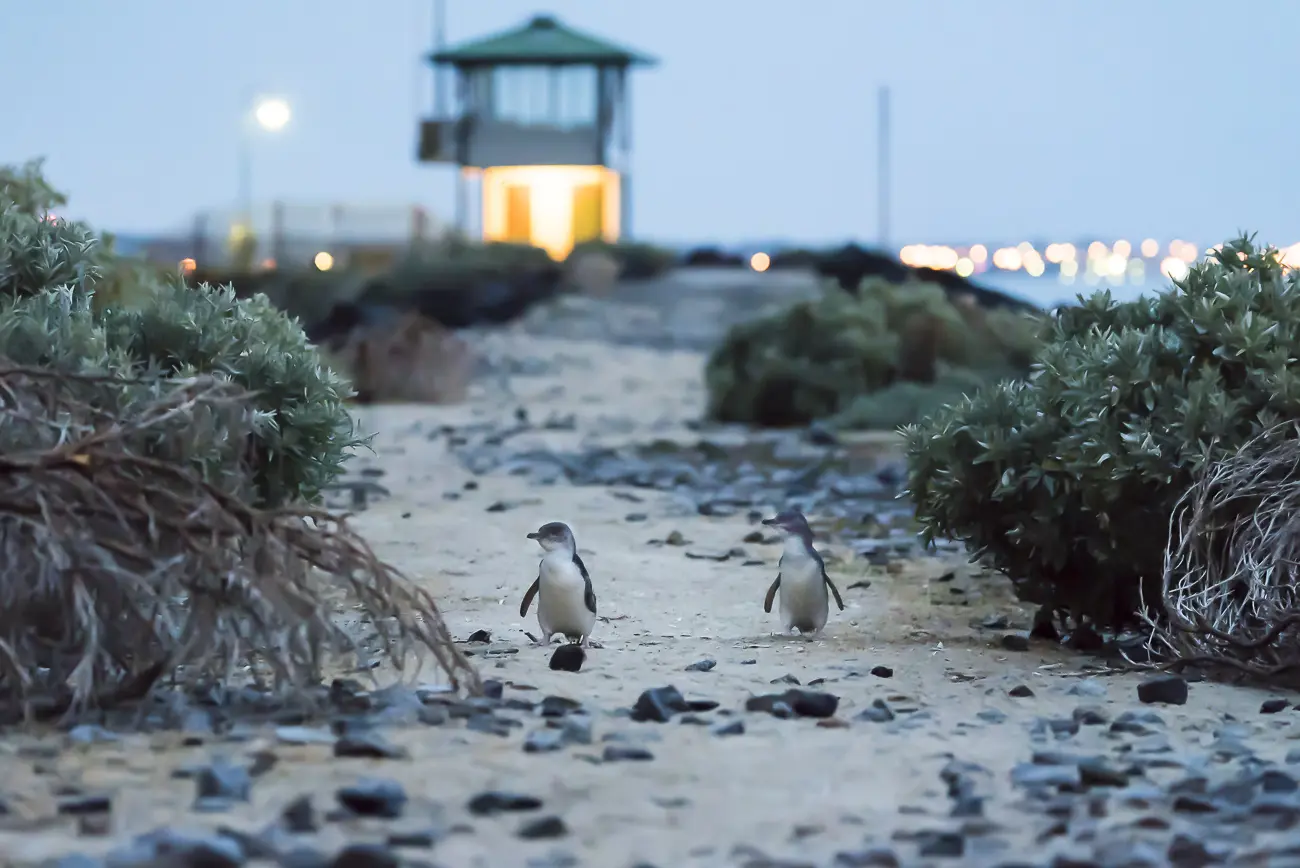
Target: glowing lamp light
point(323, 261)
point(1122, 248)
point(965, 267)
point(272, 114)
point(1150, 248)
point(760, 262)
point(187, 265)
point(979, 254)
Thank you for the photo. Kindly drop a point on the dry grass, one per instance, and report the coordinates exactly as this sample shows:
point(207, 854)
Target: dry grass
point(1233, 562)
point(127, 563)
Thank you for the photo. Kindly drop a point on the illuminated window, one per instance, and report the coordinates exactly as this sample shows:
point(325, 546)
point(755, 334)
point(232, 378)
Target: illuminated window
point(563, 96)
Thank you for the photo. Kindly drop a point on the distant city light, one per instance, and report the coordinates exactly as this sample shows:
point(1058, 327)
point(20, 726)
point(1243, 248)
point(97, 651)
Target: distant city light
point(965, 267)
point(760, 261)
point(268, 264)
point(1098, 250)
point(1116, 265)
point(1150, 247)
point(979, 254)
point(1007, 258)
point(1174, 268)
point(1122, 248)
point(1069, 268)
point(324, 261)
point(272, 114)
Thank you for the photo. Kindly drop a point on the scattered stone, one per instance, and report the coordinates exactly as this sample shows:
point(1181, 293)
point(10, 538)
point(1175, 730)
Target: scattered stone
point(1273, 706)
point(373, 798)
point(704, 665)
point(568, 657)
point(621, 752)
point(882, 672)
point(804, 703)
point(872, 857)
point(1020, 691)
point(728, 727)
point(365, 856)
point(785, 679)
point(299, 816)
point(493, 802)
point(218, 785)
point(659, 704)
point(878, 712)
point(946, 844)
point(370, 745)
point(83, 804)
point(1090, 687)
point(1015, 642)
point(543, 741)
point(543, 828)
point(1165, 689)
point(482, 637)
point(299, 735)
point(675, 538)
point(558, 706)
point(1090, 715)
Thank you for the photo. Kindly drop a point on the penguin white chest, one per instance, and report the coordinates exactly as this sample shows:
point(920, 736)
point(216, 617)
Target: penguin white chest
point(561, 604)
point(805, 604)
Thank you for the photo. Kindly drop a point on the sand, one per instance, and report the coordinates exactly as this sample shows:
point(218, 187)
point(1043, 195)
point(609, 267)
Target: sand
point(785, 788)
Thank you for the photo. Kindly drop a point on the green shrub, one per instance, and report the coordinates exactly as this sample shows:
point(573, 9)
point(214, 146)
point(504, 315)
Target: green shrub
point(302, 431)
point(1067, 481)
point(824, 358)
point(636, 261)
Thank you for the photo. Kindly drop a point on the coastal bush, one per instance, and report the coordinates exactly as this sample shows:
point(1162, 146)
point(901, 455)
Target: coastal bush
point(636, 261)
point(158, 458)
point(1067, 481)
point(302, 431)
point(829, 358)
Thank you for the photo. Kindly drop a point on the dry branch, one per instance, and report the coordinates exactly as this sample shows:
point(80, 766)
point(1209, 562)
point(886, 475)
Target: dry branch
point(1230, 585)
point(129, 552)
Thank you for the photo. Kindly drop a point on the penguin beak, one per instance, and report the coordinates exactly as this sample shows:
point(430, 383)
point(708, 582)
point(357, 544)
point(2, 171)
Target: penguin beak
point(770, 522)
point(533, 535)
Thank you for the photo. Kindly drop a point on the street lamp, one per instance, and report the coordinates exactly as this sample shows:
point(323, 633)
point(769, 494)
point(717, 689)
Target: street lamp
point(268, 115)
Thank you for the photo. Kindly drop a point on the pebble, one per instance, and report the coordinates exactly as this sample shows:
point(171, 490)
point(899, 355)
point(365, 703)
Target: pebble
point(1165, 689)
point(542, 828)
point(492, 802)
point(622, 752)
point(705, 665)
point(365, 856)
point(373, 798)
point(569, 657)
point(803, 703)
point(368, 744)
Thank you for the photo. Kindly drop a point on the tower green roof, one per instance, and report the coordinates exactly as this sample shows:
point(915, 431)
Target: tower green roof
point(543, 40)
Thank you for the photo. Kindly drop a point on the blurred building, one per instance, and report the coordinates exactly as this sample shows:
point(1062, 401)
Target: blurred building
point(295, 235)
point(539, 125)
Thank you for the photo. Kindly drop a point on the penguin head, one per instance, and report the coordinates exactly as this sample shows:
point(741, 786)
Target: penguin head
point(554, 535)
point(790, 522)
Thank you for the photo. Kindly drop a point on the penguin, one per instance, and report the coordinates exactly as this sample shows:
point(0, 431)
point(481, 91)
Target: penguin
point(566, 600)
point(801, 578)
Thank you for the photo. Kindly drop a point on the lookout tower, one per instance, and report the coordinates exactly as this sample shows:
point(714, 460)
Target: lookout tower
point(539, 125)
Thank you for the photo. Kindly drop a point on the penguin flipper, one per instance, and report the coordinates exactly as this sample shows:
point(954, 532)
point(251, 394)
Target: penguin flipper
point(771, 595)
point(528, 596)
point(588, 592)
point(839, 601)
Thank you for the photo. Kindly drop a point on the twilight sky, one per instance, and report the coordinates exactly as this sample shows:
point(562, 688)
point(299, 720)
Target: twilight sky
point(1013, 119)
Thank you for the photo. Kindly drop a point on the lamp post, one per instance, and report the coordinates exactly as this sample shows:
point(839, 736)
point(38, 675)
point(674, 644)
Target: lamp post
point(269, 115)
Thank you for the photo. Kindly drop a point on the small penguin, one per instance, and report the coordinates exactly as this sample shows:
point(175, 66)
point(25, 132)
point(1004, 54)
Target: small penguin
point(801, 577)
point(567, 601)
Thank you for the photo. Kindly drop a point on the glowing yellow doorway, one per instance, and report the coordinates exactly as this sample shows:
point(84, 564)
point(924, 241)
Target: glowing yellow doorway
point(553, 207)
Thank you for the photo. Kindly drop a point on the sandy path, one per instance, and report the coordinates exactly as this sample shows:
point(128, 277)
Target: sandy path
point(791, 789)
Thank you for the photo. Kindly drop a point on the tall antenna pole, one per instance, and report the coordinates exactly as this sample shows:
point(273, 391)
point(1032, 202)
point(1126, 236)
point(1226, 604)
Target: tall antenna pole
point(440, 106)
point(882, 167)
